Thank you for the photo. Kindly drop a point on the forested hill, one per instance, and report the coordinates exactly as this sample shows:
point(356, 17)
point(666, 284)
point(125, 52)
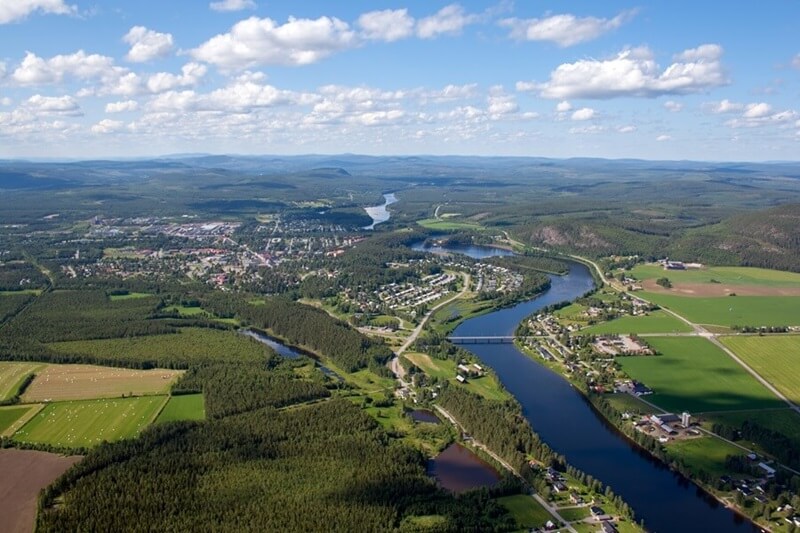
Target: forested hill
point(765, 238)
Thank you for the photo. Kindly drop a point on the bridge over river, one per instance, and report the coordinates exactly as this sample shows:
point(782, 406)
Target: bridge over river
point(498, 339)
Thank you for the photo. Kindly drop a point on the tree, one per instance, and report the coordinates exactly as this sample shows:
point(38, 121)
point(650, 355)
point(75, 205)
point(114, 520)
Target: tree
point(664, 282)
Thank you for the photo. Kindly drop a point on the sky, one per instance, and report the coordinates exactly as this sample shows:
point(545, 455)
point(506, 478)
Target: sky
point(654, 80)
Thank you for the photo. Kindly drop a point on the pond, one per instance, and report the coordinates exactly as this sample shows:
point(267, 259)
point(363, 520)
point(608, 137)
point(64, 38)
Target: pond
point(458, 469)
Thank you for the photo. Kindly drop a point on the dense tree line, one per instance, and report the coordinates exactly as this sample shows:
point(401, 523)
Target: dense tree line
point(11, 304)
point(308, 327)
point(231, 388)
point(784, 449)
point(20, 275)
point(326, 467)
point(498, 425)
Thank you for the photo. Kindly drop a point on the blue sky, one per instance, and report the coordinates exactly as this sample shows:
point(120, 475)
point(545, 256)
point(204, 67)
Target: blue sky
point(657, 80)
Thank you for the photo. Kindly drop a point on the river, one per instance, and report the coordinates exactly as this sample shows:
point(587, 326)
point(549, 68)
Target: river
point(287, 351)
point(379, 213)
point(565, 420)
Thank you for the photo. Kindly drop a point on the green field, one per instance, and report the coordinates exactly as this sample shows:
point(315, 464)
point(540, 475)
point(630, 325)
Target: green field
point(776, 358)
point(184, 407)
point(703, 453)
point(526, 511)
point(12, 376)
point(129, 296)
point(447, 224)
point(574, 514)
point(184, 311)
point(190, 345)
point(486, 386)
point(654, 322)
point(9, 415)
point(733, 310)
point(90, 422)
point(694, 375)
point(728, 275)
point(624, 402)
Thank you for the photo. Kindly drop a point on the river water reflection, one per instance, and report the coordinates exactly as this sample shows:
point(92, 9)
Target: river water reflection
point(459, 469)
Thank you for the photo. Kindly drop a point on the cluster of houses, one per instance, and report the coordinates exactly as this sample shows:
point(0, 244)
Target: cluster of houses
point(621, 345)
point(411, 295)
point(491, 278)
point(465, 371)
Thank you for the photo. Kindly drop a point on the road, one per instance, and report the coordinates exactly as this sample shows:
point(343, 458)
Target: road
point(550, 509)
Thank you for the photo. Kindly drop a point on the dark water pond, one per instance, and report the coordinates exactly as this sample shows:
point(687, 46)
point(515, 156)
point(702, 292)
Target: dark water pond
point(423, 415)
point(459, 470)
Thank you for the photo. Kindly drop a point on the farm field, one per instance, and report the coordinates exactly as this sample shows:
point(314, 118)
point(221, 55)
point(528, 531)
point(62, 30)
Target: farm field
point(732, 310)
point(184, 407)
point(776, 358)
point(694, 375)
point(86, 423)
point(724, 275)
point(526, 511)
point(655, 322)
point(704, 453)
point(623, 402)
point(12, 375)
point(129, 296)
point(25, 473)
point(80, 382)
point(11, 414)
point(447, 224)
point(190, 345)
point(184, 311)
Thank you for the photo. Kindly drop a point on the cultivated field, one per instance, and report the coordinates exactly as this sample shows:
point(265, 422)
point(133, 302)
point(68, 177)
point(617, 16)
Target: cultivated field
point(526, 511)
point(24, 474)
point(775, 357)
point(704, 453)
point(12, 375)
point(724, 275)
point(184, 407)
point(89, 422)
point(694, 375)
point(733, 310)
point(81, 382)
point(655, 322)
point(448, 224)
point(190, 345)
point(11, 417)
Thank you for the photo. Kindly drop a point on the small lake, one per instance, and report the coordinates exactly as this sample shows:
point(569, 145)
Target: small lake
point(472, 250)
point(379, 213)
point(423, 415)
point(459, 470)
point(287, 351)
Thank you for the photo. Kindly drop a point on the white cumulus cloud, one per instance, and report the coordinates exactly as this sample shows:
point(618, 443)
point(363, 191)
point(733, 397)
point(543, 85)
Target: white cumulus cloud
point(626, 129)
point(191, 74)
point(584, 113)
point(257, 41)
point(387, 25)
point(724, 106)
point(564, 30)
point(122, 107)
point(53, 105)
point(634, 72)
point(448, 20)
point(146, 44)
point(107, 126)
point(563, 106)
point(232, 5)
point(12, 10)
point(673, 106)
point(663, 138)
point(34, 70)
point(759, 110)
